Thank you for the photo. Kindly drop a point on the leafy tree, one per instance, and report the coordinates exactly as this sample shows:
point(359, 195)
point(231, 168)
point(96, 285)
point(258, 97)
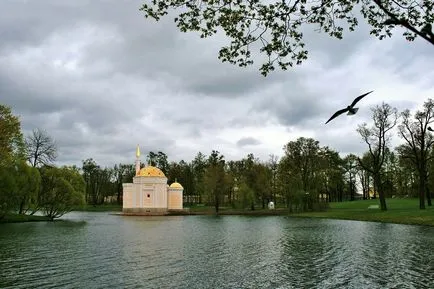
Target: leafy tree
point(377, 138)
point(8, 187)
point(12, 151)
point(275, 28)
point(62, 190)
point(365, 175)
point(418, 141)
point(98, 182)
point(246, 194)
point(11, 139)
point(28, 182)
point(262, 184)
point(199, 168)
point(302, 157)
point(41, 148)
point(151, 158)
point(214, 179)
point(351, 167)
point(123, 173)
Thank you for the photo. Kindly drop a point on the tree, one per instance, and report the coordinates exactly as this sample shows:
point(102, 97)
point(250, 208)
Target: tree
point(302, 156)
point(214, 179)
point(418, 142)
point(199, 168)
point(273, 164)
point(330, 174)
point(98, 182)
point(12, 151)
point(11, 138)
point(351, 168)
point(62, 190)
point(274, 28)
point(122, 173)
point(8, 186)
point(41, 148)
point(377, 138)
point(28, 182)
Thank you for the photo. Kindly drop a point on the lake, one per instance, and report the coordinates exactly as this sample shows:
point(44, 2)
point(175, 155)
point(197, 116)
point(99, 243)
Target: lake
point(100, 250)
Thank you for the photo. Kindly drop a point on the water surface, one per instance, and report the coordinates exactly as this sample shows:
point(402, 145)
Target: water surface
point(99, 250)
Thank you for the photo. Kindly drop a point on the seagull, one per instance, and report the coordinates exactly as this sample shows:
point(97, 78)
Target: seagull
point(351, 109)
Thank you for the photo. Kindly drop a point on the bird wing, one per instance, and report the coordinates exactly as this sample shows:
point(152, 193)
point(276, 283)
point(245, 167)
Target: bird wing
point(359, 98)
point(337, 114)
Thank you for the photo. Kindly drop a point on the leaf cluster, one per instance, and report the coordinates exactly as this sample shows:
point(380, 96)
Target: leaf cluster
point(277, 26)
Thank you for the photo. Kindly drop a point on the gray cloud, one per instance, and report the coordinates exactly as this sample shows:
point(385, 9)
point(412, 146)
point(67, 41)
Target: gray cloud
point(100, 79)
point(248, 141)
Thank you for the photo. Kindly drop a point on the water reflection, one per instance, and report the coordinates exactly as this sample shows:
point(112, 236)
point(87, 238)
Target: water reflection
point(99, 250)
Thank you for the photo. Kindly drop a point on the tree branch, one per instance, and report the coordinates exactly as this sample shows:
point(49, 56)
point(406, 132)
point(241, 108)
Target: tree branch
point(403, 22)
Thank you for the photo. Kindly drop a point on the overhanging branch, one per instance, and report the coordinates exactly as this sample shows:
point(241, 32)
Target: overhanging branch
point(403, 22)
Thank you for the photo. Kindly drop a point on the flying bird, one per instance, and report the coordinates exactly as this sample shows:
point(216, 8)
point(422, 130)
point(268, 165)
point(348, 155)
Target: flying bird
point(351, 109)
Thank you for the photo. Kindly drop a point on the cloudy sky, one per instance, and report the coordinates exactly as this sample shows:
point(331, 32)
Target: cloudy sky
point(100, 79)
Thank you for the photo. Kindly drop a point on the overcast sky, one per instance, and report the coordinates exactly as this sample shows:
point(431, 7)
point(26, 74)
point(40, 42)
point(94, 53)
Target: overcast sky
point(100, 79)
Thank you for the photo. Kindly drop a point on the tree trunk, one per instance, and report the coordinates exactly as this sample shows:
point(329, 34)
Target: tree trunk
point(216, 198)
point(428, 193)
point(377, 186)
point(22, 207)
point(422, 191)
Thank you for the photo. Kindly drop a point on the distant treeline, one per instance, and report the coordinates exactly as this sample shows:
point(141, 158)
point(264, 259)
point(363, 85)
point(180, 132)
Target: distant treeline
point(306, 177)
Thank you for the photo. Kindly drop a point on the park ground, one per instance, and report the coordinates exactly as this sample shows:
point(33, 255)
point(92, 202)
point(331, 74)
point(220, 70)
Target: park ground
point(400, 211)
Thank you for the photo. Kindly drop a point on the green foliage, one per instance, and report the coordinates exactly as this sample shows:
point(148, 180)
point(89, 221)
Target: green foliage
point(98, 182)
point(11, 139)
point(28, 182)
point(158, 160)
point(277, 26)
point(8, 186)
point(214, 179)
point(62, 190)
point(246, 196)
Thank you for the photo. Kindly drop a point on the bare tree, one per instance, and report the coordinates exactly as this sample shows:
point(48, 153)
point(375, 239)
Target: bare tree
point(377, 138)
point(418, 143)
point(41, 148)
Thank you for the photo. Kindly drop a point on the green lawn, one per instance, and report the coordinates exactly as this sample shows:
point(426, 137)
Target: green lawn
point(400, 211)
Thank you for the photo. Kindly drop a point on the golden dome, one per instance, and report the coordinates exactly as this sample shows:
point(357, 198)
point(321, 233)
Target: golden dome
point(150, 171)
point(176, 185)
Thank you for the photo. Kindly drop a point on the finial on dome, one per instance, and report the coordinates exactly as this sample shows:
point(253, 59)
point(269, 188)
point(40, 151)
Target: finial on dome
point(137, 151)
point(176, 180)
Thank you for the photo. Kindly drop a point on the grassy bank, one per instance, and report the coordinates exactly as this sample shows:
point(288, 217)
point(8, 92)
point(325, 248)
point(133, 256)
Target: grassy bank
point(16, 218)
point(399, 211)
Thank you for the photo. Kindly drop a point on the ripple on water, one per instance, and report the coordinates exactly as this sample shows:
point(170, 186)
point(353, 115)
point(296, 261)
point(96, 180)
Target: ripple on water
point(208, 252)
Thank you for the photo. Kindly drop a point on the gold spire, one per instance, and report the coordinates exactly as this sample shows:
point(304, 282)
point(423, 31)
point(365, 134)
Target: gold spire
point(137, 152)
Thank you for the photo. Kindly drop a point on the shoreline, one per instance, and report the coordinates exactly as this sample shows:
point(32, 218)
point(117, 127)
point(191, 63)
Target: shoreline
point(400, 211)
point(17, 218)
